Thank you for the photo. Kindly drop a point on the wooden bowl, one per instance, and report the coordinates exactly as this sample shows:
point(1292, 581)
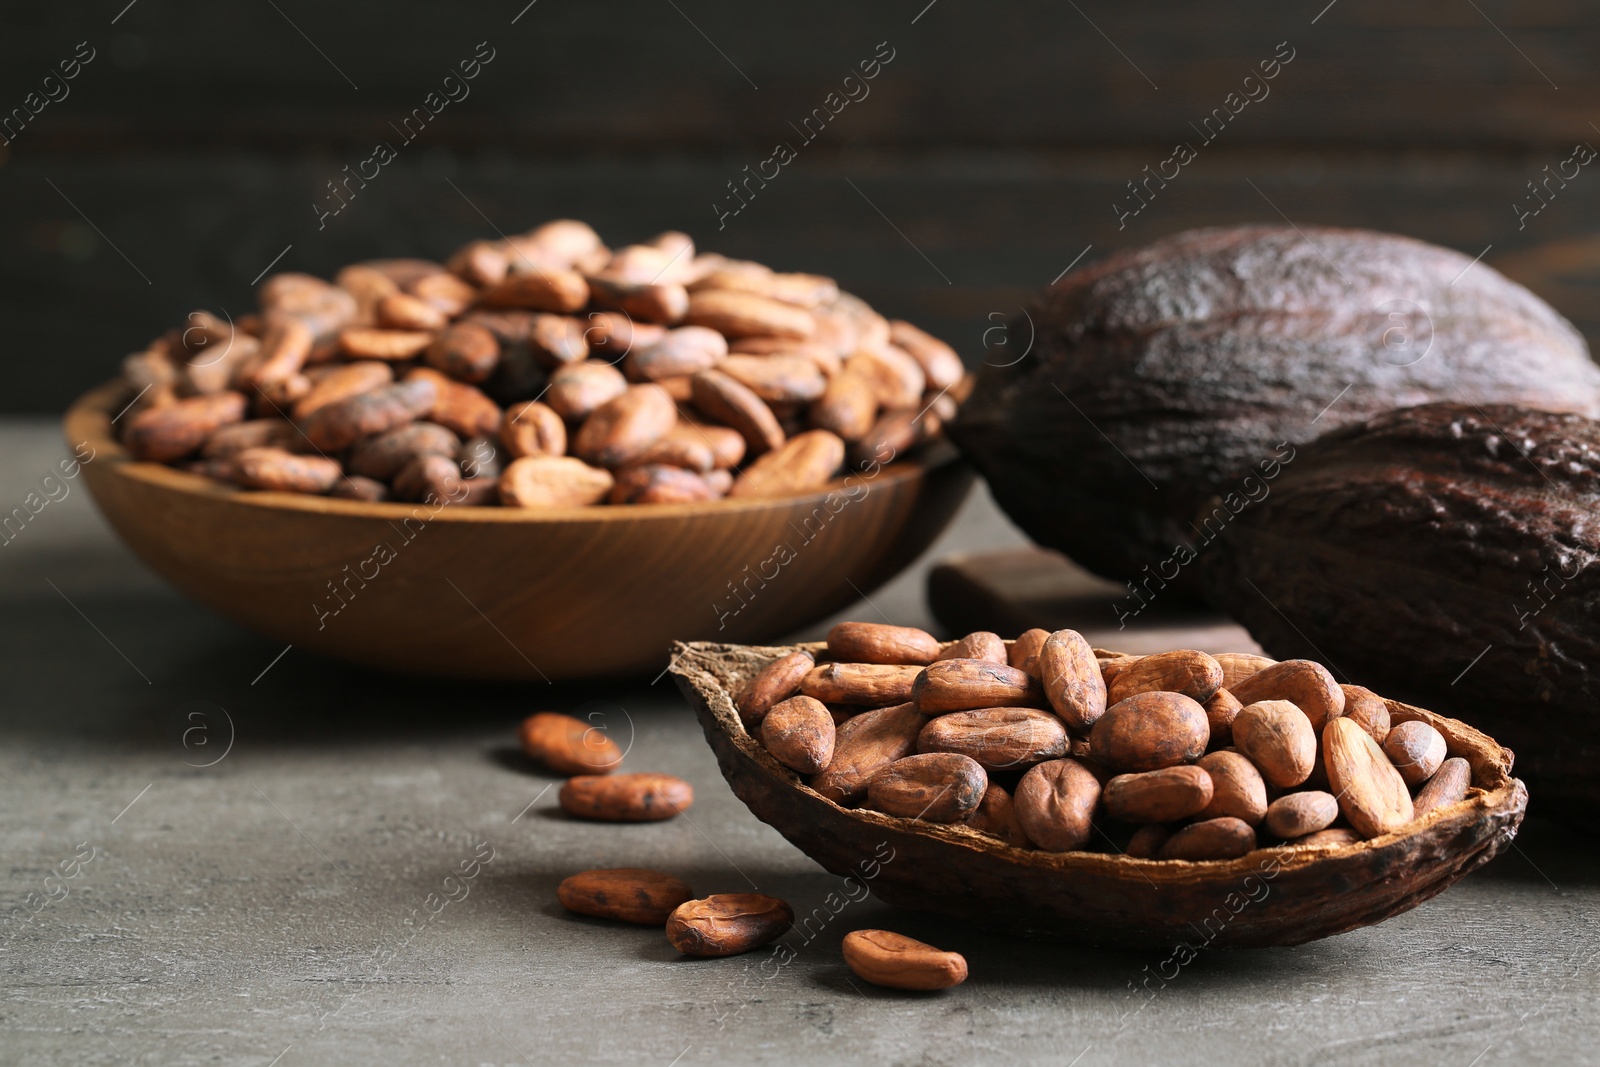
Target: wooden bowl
point(488, 592)
point(1272, 896)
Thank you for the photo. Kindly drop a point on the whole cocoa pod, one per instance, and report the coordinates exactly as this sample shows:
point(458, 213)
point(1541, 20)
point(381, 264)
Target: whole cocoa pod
point(1444, 555)
point(1194, 366)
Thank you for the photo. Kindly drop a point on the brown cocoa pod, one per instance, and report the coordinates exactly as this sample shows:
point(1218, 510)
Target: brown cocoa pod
point(466, 351)
point(848, 407)
point(1278, 738)
point(931, 786)
point(284, 472)
point(430, 480)
point(254, 433)
point(1368, 710)
point(997, 816)
point(726, 924)
point(577, 389)
point(1166, 795)
point(1194, 674)
point(568, 745)
point(384, 455)
point(864, 745)
point(1416, 749)
point(1295, 815)
point(1448, 785)
point(1055, 802)
point(939, 362)
point(561, 291)
point(801, 464)
point(1071, 678)
point(1237, 788)
point(627, 894)
point(1221, 710)
point(899, 962)
point(1337, 837)
point(874, 642)
point(721, 398)
point(681, 352)
point(533, 429)
point(340, 424)
point(342, 382)
point(1303, 683)
point(964, 684)
point(1149, 731)
point(778, 681)
point(1372, 795)
point(997, 738)
point(356, 487)
point(1025, 650)
point(656, 483)
point(393, 346)
point(735, 314)
point(872, 684)
point(625, 797)
point(979, 645)
point(1147, 841)
point(556, 340)
point(1237, 666)
point(1213, 839)
point(171, 432)
point(553, 482)
point(1203, 314)
point(799, 733)
point(622, 428)
point(894, 377)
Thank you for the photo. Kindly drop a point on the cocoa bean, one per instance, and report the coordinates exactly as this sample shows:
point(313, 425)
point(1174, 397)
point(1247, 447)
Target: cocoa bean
point(1298, 814)
point(1306, 685)
point(997, 816)
point(625, 797)
point(997, 738)
point(1448, 785)
point(964, 684)
point(727, 401)
point(577, 389)
point(980, 645)
point(1416, 749)
point(1221, 710)
point(1279, 739)
point(1368, 710)
point(872, 642)
point(899, 962)
point(799, 732)
point(465, 351)
point(931, 786)
point(1055, 802)
point(627, 894)
point(553, 482)
point(778, 681)
point(1237, 788)
point(568, 745)
point(284, 472)
point(1214, 839)
point(1372, 794)
point(1149, 731)
point(804, 462)
point(1025, 651)
point(1071, 678)
point(727, 924)
point(338, 425)
point(863, 746)
point(871, 684)
point(1194, 674)
point(1165, 795)
point(171, 432)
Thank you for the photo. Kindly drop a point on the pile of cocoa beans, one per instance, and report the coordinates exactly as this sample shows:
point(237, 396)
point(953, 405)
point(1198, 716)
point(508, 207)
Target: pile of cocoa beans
point(1046, 743)
point(542, 370)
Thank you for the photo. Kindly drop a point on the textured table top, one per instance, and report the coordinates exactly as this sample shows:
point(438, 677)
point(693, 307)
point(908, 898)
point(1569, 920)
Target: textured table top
point(289, 862)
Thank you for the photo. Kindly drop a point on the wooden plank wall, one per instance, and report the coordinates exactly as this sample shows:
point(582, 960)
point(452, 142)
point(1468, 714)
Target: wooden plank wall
point(993, 146)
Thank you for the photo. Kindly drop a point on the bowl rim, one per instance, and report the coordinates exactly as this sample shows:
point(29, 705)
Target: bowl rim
point(1499, 793)
point(89, 420)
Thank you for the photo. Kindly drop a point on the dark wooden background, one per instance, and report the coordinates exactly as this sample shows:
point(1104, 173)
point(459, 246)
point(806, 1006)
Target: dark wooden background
point(987, 156)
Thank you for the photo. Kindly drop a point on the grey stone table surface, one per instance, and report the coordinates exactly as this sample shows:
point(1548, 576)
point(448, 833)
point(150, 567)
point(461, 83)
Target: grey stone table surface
point(214, 857)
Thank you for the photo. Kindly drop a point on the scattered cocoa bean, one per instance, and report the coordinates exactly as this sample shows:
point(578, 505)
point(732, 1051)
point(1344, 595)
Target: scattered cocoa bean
point(627, 894)
point(625, 797)
point(726, 924)
point(899, 962)
point(568, 745)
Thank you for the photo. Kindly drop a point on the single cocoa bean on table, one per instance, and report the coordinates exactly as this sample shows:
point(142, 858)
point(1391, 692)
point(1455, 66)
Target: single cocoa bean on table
point(628, 894)
point(899, 962)
point(626, 797)
point(727, 924)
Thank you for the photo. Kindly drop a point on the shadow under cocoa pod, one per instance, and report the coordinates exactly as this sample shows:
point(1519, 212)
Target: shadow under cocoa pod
point(1272, 896)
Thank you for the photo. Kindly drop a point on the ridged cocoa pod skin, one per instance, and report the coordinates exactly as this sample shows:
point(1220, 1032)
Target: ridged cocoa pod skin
point(726, 924)
point(1477, 532)
point(627, 894)
point(932, 786)
point(778, 681)
point(899, 962)
point(1149, 731)
point(998, 738)
point(1189, 361)
point(568, 745)
point(625, 797)
point(800, 734)
point(878, 642)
